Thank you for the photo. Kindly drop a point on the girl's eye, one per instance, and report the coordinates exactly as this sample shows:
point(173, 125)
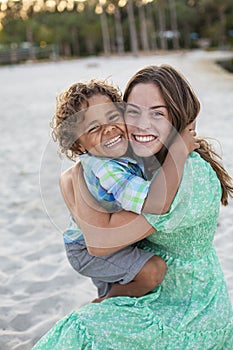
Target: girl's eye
point(132, 112)
point(157, 114)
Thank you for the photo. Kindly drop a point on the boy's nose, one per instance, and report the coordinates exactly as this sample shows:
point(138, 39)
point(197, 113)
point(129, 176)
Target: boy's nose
point(109, 128)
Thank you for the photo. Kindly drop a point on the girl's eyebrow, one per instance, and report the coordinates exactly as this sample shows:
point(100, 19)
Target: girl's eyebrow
point(159, 106)
point(132, 105)
point(152, 107)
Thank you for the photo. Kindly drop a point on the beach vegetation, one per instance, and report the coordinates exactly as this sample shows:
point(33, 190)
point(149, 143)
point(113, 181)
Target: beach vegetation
point(77, 28)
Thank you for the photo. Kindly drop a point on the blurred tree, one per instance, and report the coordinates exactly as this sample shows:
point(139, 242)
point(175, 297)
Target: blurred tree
point(188, 23)
point(132, 27)
point(174, 24)
point(214, 14)
point(113, 8)
point(162, 24)
point(151, 26)
point(100, 10)
point(143, 25)
point(76, 28)
point(119, 30)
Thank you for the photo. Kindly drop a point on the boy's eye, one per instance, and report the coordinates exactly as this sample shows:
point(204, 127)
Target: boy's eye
point(115, 116)
point(93, 128)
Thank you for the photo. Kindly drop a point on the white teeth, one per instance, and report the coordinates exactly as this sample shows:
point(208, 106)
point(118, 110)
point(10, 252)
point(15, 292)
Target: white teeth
point(147, 138)
point(113, 141)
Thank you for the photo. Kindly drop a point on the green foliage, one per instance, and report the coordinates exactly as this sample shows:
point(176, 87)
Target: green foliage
point(15, 31)
point(227, 64)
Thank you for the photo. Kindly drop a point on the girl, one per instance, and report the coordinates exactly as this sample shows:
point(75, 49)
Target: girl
point(191, 309)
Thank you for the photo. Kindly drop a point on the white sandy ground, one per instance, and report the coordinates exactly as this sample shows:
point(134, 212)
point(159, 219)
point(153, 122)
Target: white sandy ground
point(37, 284)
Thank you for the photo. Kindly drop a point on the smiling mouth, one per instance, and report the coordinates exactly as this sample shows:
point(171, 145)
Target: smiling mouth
point(145, 138)
point(113, 141)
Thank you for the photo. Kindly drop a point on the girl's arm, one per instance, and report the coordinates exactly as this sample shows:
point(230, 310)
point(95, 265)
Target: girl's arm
point(164, 186)
point(104, 233)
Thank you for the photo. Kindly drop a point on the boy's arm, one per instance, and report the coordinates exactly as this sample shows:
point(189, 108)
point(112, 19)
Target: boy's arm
point(164, 186)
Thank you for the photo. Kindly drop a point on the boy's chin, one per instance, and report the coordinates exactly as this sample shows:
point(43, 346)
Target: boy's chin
point(117, 153)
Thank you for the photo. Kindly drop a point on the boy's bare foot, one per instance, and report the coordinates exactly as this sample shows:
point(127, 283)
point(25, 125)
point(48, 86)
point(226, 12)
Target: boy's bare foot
point(98, 300)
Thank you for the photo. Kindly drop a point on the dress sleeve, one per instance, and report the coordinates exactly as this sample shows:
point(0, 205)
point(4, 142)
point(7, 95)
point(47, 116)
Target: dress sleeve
point(198, 196)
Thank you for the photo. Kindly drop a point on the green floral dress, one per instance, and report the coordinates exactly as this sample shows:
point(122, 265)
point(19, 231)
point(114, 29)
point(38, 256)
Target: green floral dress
point(190, 310)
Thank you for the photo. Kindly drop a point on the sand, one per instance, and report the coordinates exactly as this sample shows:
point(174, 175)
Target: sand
point(38, 286)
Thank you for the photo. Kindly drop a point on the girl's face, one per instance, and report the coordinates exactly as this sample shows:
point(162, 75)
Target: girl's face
point(102, 132)
point(147, 119)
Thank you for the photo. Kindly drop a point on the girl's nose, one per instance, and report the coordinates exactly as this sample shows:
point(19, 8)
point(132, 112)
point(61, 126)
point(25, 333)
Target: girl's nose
point(144, 122)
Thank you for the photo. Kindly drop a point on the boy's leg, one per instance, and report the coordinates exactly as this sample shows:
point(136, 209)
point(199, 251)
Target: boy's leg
point(86, 265)
point(149, 277)
point(132, 271)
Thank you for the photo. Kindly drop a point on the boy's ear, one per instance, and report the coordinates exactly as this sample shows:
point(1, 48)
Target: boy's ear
point(79, 148)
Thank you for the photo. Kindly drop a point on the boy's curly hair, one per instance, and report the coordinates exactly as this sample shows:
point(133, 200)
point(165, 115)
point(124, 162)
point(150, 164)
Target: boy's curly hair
point(69, 107)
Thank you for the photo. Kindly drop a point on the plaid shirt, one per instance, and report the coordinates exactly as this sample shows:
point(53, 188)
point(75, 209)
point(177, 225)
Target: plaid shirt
point(115, 183)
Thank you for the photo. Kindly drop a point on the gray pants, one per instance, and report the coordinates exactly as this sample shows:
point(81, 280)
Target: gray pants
point(121, 266)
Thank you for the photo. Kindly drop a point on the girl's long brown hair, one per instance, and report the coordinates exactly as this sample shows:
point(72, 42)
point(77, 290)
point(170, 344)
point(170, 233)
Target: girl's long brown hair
point(183, 108)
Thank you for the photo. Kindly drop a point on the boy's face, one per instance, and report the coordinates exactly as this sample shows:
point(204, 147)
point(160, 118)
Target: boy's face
point(102, 132)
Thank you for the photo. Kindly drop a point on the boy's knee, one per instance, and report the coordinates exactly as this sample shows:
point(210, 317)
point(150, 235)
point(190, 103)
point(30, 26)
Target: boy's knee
point(155, 271)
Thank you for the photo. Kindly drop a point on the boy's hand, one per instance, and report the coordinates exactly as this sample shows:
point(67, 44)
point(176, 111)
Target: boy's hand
point(188, 136)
